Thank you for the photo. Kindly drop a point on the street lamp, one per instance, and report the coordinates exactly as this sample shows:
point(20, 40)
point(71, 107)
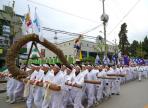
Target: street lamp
point(104, 18)
point(55, 38)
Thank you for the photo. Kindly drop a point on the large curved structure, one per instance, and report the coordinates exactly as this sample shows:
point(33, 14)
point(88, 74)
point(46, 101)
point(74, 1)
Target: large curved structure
point(15, 48)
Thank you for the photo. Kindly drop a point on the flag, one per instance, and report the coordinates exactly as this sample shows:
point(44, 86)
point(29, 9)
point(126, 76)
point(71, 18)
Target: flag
point(36, 22)
point(28, 21)
point(97, 60)
point(80, 55)
point(106, 60)
point(37, 26)
point(114, 58)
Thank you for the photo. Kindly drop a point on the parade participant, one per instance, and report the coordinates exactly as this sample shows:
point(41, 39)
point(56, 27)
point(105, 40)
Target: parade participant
point(111, 82)
point(99, 88)
point(140, 71)
point(107, 82)
point(84, 70)
point(77, 91)
point(48, 77)
point(5, 75)
point(57, 96)
point(72, 74)
point(123, 71)
point(63, 69)
point(38, 91)
point(29, 92)
point(146, 68)
point(14, 89)
point(131, 70)
point(145, 71)
point(135, 72)
point(90, 88)
point(19, 89)
point(130, 73)
point(95, 71)
point(11, 84)
point(67, 100)
point(117, 81)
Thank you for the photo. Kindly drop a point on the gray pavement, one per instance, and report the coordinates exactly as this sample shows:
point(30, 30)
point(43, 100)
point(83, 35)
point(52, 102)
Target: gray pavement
point(133, 95)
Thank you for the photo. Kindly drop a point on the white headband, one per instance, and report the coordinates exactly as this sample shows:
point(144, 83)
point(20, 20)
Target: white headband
point(45, 65)
point(34, 65)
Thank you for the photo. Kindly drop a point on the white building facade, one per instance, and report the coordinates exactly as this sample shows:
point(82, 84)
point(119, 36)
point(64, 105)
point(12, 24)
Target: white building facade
point(86, 47)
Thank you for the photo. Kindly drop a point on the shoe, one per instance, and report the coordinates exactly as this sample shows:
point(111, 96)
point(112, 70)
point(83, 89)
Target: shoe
point(97, 103)
point(8, 100)
point(12, 102)
point(113, 93)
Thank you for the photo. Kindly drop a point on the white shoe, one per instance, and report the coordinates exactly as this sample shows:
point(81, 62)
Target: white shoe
point(12, 102)
point(8, 100)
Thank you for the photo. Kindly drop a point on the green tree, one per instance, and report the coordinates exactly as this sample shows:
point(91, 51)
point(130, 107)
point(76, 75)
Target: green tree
point(133, 48)
point(145, 46)
point(140, 52)
point(123, 39)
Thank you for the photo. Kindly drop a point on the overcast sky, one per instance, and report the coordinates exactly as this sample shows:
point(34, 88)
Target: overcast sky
point(85, 14)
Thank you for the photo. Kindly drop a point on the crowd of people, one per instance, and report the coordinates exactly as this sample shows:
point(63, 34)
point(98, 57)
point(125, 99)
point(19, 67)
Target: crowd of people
point(60, 86)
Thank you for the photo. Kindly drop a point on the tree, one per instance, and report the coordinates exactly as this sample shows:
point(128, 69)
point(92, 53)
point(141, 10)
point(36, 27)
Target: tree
point(139, 51)
point(123, 40)
point(133, 48)
point(145, 47)
point(100, 47)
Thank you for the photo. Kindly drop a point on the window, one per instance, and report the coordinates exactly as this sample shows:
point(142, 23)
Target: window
point(1, 26)
point(6, 41)
point(1, 41)
point(2, 23)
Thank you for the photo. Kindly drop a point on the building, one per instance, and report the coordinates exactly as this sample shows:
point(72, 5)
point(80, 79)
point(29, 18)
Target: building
point(87, 47)
point(10, 30)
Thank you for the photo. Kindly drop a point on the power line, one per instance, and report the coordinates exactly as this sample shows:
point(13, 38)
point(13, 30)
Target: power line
point(71, 35)
point(64, 12)
point(65, 32)
point(131, 9)
point(92, 29)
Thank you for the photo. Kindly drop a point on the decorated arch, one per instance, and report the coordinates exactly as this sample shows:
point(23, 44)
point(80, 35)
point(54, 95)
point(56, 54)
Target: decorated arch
point(15, 48)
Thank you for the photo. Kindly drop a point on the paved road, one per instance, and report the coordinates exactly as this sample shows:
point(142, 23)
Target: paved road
point(133, 95)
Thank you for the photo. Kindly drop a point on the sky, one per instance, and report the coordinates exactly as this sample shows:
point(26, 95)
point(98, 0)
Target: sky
point(79, 16)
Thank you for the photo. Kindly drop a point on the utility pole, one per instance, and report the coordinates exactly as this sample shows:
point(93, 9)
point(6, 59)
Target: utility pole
point(115, 46)
point(12, 24)
point(116, 52)
point(105, 19)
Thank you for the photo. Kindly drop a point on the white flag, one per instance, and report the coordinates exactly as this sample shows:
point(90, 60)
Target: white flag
point(37, 26)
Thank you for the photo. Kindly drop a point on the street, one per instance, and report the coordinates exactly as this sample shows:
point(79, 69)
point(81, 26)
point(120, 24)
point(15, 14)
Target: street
point(133, 95)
